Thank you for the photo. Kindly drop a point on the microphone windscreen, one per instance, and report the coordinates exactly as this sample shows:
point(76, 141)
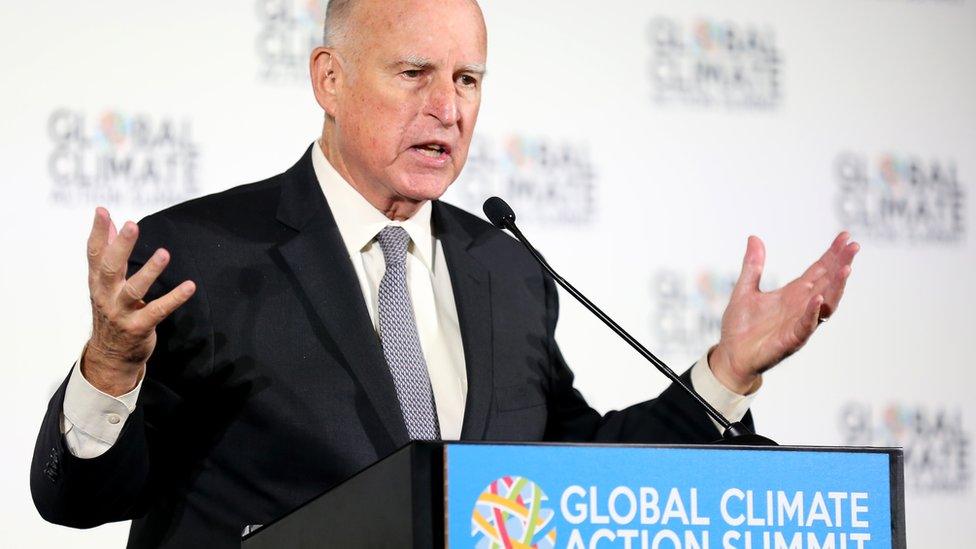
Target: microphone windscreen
point(498, 212)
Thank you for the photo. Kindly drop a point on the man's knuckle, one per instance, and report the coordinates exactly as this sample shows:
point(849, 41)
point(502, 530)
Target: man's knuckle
point(157, 310)
point(131, 291)
point(137, 328)
point(108, 269)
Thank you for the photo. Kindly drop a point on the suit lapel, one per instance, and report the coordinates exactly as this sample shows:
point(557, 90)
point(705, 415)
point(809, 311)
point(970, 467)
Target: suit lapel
point(472, 297)
point(317, 258)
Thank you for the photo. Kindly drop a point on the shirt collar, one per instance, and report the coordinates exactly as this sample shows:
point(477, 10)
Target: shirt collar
point(359, 221)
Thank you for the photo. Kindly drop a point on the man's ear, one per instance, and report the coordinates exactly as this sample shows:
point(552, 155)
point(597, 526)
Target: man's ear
point(326, 72)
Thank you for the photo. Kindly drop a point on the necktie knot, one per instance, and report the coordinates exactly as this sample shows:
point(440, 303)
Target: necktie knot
point(393, 241)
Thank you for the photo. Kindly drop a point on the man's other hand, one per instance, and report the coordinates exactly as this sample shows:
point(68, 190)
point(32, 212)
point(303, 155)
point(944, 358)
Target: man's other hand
point(760, 329)
point(123, 325)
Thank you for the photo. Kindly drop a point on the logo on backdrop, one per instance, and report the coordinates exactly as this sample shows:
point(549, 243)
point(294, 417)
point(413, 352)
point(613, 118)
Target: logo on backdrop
point(687, 317)
point(900, 198)
point(117, 158)
point(546, 180)
point(937, 445)
point(686, 312)
point(710, 63)
point(510, 512)
point(290, 30)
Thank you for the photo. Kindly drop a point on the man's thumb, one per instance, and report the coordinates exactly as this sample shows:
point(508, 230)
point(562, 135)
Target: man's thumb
point(752, 266)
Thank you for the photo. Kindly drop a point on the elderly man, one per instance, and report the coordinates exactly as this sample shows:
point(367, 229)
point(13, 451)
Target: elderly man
point(271, 340)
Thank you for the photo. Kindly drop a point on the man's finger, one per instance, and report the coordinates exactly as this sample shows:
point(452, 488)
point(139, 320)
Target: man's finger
point(828, 261)
point(137, 285)
point(835, 291)
point(832, 286)
point(847, 253)
point(158, 309)
point(834, 258)
point(839, 241)
point(752, 266)
point(115, 258)
point(98, 237)
point(830, 256)
point(112, 231)
point(810, 319)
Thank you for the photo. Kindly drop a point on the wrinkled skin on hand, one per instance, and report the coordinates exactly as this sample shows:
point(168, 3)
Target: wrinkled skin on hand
point(123, 324)
point(760, 329)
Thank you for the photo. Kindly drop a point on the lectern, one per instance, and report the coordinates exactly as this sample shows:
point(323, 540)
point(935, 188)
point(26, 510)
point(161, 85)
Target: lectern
point(488, 495)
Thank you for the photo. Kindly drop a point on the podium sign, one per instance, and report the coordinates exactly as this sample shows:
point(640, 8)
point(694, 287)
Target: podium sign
point(585, 496)
point(496, 495)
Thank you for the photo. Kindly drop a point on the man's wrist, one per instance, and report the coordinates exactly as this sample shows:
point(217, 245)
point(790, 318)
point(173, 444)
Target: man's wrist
point(724, 370)
point(109, 376)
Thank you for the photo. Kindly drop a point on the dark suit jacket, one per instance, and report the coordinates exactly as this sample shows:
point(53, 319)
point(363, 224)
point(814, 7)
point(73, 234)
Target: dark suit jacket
point(269, 386)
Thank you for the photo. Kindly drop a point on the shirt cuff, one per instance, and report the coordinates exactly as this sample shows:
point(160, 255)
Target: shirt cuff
point(730, 404)
point(92, 420)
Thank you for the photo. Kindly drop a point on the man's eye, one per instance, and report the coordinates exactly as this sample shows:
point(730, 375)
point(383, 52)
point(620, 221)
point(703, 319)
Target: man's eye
point(412, 73)
point(467, 80)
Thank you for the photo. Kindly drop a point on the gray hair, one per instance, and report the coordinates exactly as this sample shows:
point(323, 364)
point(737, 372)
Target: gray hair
point(335, 29)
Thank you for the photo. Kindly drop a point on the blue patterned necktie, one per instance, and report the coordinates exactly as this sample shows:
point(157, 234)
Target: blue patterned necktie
point(401, 343)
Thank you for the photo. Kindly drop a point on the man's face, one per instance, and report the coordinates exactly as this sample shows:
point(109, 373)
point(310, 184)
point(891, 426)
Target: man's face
point(407, 104)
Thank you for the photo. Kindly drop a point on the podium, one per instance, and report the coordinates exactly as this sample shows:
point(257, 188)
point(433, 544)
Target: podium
point(487, 495)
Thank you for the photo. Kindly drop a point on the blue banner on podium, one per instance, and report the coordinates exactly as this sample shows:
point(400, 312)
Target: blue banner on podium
point(502, 496)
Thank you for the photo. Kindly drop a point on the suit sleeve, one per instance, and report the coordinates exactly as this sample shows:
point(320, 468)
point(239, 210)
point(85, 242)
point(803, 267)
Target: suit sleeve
point(674, 417)
point(123, 482)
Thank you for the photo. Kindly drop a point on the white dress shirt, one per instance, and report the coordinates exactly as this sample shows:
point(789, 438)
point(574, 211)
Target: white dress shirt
point(427, 279)
point(92, 420)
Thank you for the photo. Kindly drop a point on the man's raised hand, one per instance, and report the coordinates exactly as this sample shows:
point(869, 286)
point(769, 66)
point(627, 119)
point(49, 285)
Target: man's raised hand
point(759, 329)
point(123, 325)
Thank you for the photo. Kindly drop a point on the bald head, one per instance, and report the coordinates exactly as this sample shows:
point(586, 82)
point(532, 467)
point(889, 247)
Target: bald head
point(340, 19)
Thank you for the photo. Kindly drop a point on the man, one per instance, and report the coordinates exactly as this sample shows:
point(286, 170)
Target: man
point(271, 340)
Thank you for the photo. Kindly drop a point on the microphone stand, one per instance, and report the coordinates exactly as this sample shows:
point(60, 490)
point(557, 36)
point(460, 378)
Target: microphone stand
point(734, 433)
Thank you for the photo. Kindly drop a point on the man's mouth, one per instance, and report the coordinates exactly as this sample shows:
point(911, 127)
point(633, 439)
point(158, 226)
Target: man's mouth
point(433, 149)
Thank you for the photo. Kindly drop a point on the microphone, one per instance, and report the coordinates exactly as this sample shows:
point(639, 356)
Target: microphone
point(501, 215)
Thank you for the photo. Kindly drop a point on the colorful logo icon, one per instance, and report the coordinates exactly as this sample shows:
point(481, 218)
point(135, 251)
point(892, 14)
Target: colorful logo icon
point(510, 514)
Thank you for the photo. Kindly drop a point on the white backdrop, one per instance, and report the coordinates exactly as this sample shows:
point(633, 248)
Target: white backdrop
point(673, 128)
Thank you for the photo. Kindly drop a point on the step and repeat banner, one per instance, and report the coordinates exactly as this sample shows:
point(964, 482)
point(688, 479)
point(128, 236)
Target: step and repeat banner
point(640, 142)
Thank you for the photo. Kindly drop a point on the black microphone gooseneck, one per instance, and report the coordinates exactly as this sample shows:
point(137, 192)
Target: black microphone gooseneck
point(502, 216)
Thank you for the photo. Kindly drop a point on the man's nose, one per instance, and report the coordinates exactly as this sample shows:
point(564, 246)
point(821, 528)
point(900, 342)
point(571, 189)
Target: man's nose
point(442, 102)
